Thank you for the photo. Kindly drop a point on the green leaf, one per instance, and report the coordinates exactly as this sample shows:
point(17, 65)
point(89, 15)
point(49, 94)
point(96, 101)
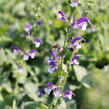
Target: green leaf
point(31, 89)
point(82, 75)
point(30, 105)
point(62, 105)
point(42, 106)
point(71, 104)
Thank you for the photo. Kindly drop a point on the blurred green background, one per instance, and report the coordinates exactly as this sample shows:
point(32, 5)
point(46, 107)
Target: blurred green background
point(89, 80)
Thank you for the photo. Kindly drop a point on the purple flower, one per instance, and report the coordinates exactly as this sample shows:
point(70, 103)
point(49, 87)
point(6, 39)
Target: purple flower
point(37, 42)
point(25, 57)
point(82, 23)
point(57, 92)
point(50, 87)
point(19, 69)
point(53, 54)
point(40, 92)
point(73, 23)
point(15, 49)
point(68, 94)
point(74, 59)
point(52, 69)
point(32, 53)
point(50, 84)
point(48, 90)
point(59, 49)
point(39, 22)
point(74, 3)
point(51, 62)
point(28, 28)
point(75, 43)
point(61, 16)
point(83, 19)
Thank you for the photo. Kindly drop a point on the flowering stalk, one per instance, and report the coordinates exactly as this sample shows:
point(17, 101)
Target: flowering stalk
point(54, 101)
point(62, 66)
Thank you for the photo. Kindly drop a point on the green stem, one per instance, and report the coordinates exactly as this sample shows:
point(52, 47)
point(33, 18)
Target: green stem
point(54, 101)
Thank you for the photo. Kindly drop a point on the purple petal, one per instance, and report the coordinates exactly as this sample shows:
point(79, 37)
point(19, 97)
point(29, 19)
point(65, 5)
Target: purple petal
point(75, 43)
point(68, 94)
point(19, 69)
point(15, 49)
point(74, 4)
point(28, 27)
point(52, 69)
point(53, 54)
point(39, 22)
point(32, 51)
point(37, 40)
point(61, 13)
point(73, 23)
point(75, 56)
point(57, 92)
point(52, 63)
point(74, 61)
point(48, 90)
point(76, 39)
point(83, 19)
point(61, 16)
point(40, 92)
point(50, 84)
point(25, 57)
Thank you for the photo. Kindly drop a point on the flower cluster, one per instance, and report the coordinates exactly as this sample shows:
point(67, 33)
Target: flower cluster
point(75, 44)
point(29, 27)
point(26, 54)
point(52, 62)
point(57, 91)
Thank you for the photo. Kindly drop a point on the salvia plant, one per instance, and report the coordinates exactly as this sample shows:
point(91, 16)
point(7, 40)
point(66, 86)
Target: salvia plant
point(62, 58)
